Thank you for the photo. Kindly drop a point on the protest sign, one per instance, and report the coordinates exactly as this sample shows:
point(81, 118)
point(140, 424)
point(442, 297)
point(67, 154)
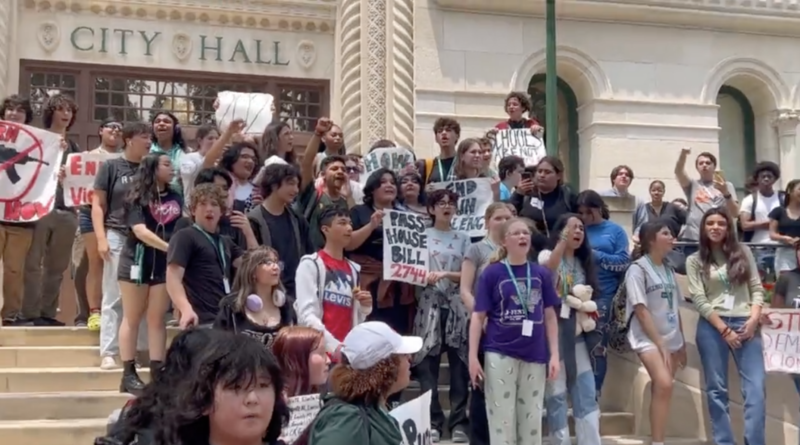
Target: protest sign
point(30, 159)
point(393, 158)
point(255, 109)
point(405, 247)
point(303, 410)
point(80, 171)
point(518, 142)
point(475, 195)
point(414, 418)
point(781, 340)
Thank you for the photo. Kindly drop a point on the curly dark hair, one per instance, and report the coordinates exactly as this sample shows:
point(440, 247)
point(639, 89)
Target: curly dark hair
point(446, 123)
point(523, 98)
point(271, 139)
point(234, 361)
point(737, 262)
point(374, 183)
point(17, 101)
point(146, 411)
point(144, 187)
point(768, 166)
point(55, 102)
point(177, 133)
point(275, 175)
point(583, 253)
point(232, 154)
point(435, 197)
point(211, 193)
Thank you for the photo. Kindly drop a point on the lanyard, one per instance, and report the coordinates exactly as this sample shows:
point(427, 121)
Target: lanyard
point(523, 300)
point(218, 247)
point(723, 278)
point(567, 274)
point(667, 282)
point(441, 172)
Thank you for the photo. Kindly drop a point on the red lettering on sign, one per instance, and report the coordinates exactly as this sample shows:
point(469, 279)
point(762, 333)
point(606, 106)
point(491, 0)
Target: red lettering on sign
point(81, 195)
point(9, 133)
point(74, 167)
point(784, 320)
point(90, 168)
point(28, 211)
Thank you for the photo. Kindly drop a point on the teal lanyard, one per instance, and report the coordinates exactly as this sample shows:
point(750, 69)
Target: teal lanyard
point(523, 299)
point(567, 274)
point(667, 283)
point(219, 248)
point(723, 279)
point(441, 171)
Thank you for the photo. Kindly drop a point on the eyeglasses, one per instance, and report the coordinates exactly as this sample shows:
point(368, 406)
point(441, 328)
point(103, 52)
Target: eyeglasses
point(113, 126)
point(273, 263)
point(445, 204)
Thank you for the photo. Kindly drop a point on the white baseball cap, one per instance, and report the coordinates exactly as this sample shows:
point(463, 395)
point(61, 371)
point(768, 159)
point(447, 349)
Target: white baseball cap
point(373, 341)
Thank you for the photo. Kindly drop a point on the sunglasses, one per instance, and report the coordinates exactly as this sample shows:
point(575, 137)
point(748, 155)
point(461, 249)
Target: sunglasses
point(351, 169)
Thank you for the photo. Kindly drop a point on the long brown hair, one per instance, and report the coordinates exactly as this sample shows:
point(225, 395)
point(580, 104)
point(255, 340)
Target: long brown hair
point(463, 147)
point(293, 346)
point(244, 283)
point(738, 266)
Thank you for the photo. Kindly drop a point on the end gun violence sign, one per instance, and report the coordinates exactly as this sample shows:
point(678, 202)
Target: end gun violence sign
point(781, 340)
point(81, 170)
point(474, 196)
point(29, 162)
point(405, 247)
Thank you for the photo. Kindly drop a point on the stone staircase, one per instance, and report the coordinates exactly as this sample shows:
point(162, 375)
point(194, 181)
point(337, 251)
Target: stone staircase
point(52, 391)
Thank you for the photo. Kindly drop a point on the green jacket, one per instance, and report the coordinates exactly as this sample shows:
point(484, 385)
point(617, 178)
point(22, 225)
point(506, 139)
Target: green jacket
point(342, 423)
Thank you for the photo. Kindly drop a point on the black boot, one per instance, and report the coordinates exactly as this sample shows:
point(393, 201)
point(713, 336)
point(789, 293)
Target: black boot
point(131, 383)
point(155, 369)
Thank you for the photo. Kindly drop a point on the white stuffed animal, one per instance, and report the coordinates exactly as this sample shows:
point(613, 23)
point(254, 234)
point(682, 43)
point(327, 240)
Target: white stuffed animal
point(581, 301)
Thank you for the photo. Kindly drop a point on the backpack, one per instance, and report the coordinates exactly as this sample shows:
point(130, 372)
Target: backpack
point(619, 323)
point(747, 236)
point(305, 437)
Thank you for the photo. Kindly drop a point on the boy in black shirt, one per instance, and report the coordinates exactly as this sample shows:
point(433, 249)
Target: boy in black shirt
point(276, 225)
point(200, 261)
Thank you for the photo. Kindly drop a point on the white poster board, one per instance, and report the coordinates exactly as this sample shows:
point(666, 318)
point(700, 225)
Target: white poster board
point(414, 418)
point(304, 410)
point(254, 108)
point(782, 340)
point(30, 159)
point(393, 158)
point(80, 171)
point(475, 196)
point(518, 142)
point(405, 247)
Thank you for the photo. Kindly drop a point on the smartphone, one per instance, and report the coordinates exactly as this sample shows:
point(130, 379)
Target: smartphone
point(527, 176)
point(239, 206)
point(719, 176)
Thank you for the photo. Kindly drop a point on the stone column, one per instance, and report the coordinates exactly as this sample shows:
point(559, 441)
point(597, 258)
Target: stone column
point(377, 72)
point(785, 124)
point(6, 25)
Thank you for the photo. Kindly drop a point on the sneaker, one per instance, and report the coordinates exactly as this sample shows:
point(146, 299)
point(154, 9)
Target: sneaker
point(93, 323)
point(47, 321)
point(108, 363)
point(458, 435)
point(436, 436)
point(17, 321)
point(80, 323)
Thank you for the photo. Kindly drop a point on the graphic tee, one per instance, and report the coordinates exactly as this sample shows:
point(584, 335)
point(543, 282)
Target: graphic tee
point(655, 287)
point(497, 296)
point(114, 177)
point(337, 296)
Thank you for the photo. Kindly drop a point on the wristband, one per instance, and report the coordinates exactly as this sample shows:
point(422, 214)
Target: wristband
point(728, 196)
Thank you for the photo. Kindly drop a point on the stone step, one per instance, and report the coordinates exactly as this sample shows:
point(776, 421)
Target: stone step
point(62, 336)
point(60, 405)
point(48, 380)
point(49, 356)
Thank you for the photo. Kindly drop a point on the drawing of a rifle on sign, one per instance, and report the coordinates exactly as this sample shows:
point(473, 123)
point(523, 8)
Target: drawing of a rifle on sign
point(11, 158)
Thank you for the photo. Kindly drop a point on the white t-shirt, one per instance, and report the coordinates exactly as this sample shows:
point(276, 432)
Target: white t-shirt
point(645, 284)
point(189, 168)
point(764, 205)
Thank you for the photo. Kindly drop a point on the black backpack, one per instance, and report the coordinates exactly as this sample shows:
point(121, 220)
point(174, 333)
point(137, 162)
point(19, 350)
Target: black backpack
point(619, 324)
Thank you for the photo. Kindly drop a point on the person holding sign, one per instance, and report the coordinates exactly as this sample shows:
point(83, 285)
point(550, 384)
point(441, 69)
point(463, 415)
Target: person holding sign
point(727, 292)
point(516, 301)
point(441, 318)
point(518, 103)
point(572, 263)
point(375, 365)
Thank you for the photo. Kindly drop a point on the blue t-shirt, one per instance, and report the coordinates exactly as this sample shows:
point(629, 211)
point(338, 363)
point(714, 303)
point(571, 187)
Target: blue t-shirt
point(610, 246)
point(497, 296)
point(505, 192)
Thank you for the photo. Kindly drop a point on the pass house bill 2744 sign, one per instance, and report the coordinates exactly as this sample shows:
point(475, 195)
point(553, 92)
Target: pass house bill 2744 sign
point(29, 162)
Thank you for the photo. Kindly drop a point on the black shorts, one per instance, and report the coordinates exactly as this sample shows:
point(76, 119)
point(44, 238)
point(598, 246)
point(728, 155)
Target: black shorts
point(153, 267)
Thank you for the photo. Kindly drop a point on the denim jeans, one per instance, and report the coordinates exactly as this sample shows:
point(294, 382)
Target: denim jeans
point(749, 359)
point(597, 343)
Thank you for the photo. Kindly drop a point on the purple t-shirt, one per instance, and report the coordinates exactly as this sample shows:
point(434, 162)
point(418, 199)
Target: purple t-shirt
point(497, 296)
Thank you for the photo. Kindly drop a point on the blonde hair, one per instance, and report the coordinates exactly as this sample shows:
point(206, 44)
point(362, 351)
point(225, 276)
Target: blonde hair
point(244, 283)
point(501, 253)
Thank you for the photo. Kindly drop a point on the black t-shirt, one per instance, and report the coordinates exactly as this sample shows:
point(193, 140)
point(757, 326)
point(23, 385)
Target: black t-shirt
point(232, 320)
point(114, 178)
point(788, 286)
point(59, 197)
point(544, 209)
point(159, 219)
point(197, 252)
point(786, 226)
point(435, 175)
point(674, 216)
point(283, 240)
point(373, 246)
point(225, 229)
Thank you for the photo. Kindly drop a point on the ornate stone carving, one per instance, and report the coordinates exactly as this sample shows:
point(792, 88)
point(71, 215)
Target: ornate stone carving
point(49, 36)
point(306, 54)
point(5, 19)
point(182, 46)
point(403, 78)
point(350, 94)
point(786, 121)
point(376, 71)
